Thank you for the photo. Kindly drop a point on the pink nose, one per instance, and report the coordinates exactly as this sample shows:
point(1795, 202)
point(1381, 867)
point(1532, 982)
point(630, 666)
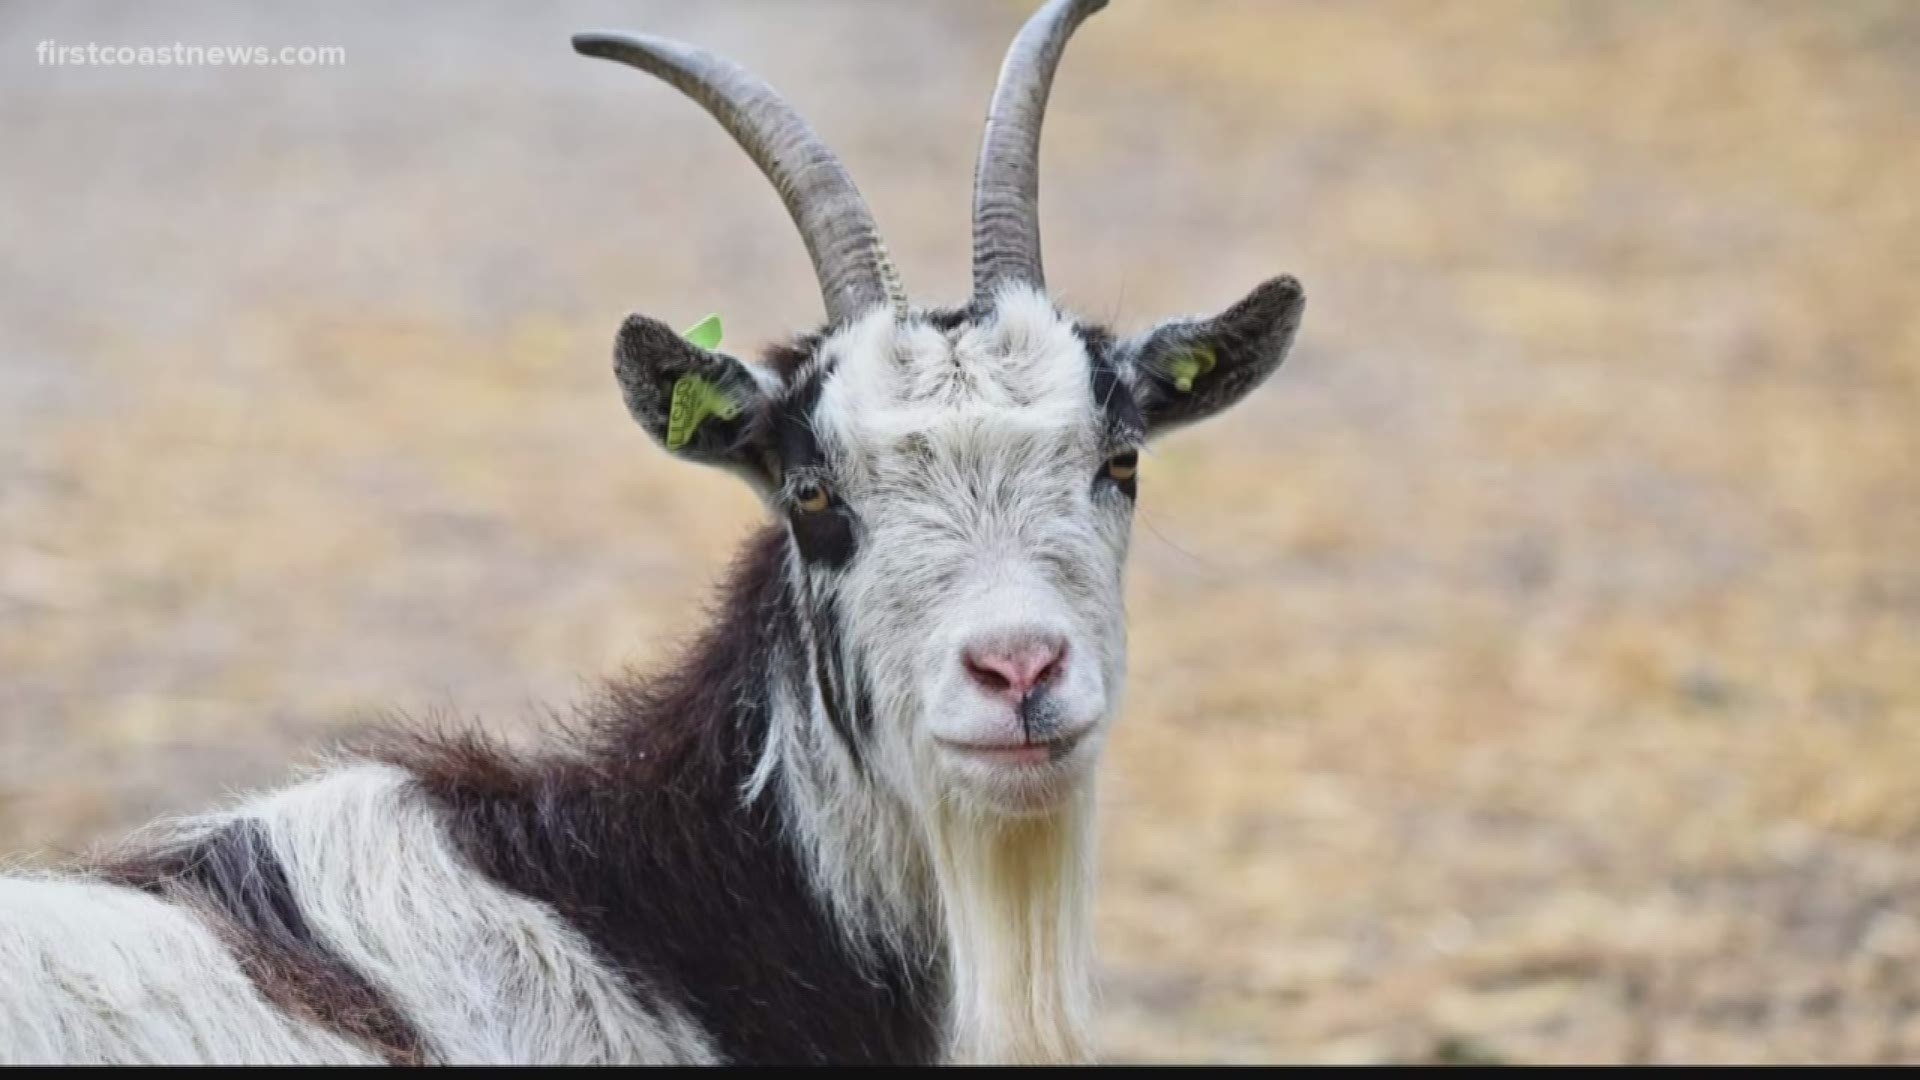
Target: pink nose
point(1010, 666)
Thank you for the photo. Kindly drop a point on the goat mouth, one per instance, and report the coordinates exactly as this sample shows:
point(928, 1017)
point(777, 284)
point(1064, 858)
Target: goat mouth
point(1030, 753)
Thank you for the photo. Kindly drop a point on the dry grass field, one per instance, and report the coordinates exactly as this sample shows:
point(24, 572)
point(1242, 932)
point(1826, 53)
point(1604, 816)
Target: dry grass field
point(1531, 671)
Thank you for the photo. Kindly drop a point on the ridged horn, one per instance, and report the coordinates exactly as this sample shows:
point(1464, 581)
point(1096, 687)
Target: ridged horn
point(1006, 182)
point(840, 233)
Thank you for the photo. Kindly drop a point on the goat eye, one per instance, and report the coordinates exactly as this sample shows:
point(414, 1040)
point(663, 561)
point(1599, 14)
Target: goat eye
point(811, 496)
point(1124, 465)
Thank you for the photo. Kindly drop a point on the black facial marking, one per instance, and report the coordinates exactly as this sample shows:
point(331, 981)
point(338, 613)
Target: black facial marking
point(833, 691)
point(793, 433)
point(1125, 425)
point(947, 320)
point(827, 537)
point(818, 665)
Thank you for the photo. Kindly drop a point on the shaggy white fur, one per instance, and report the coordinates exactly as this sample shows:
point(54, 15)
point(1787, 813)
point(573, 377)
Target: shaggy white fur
point(486, 976)
point(99, 974)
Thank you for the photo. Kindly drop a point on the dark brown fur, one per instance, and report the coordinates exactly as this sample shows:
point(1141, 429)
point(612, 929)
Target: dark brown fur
point(232, 878)
point(641, 842)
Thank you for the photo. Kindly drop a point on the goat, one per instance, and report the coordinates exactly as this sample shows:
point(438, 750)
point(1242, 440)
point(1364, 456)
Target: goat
point(853, 823)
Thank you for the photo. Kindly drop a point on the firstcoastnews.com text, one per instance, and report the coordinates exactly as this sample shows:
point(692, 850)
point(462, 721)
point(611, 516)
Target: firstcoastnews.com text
point(180, 54)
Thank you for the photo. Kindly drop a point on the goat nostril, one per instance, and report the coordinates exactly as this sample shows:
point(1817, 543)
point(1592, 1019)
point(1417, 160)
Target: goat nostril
point(988, 677)
point(1051, 671)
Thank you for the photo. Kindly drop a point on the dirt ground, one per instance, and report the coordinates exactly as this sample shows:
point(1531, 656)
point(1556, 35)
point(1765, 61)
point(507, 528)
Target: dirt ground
point(1530, 672)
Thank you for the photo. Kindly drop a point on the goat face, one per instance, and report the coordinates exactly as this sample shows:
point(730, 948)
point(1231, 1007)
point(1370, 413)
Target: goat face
point(958, 491)
point(981, 599)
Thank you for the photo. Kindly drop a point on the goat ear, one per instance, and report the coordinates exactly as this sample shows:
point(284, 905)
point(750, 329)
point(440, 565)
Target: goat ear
point(1188, 369)
point(701, 405)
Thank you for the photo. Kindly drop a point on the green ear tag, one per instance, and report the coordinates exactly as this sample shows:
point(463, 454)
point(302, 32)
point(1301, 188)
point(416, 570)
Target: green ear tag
point(695, 399)
point(705, 333)
point(1190, 365)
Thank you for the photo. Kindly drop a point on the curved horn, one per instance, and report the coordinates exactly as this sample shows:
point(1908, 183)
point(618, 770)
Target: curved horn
point(841, 236)
point(1006, 182)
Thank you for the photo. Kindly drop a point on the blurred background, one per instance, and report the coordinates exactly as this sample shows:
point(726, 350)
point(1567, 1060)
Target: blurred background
point(1531, 672)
